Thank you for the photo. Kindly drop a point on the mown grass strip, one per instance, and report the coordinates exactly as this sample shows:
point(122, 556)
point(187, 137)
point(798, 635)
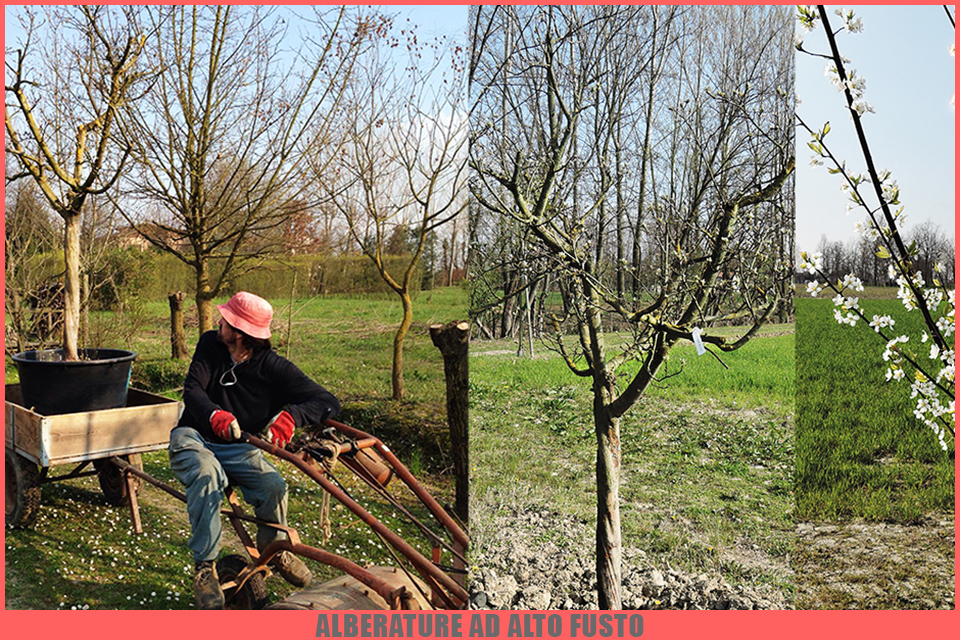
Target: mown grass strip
point(860, 451)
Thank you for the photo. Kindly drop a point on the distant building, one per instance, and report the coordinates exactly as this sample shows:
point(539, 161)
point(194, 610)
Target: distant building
point(128, 237)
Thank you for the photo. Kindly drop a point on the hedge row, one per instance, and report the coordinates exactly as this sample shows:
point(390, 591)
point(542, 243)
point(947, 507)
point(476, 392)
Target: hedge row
point(151, 275)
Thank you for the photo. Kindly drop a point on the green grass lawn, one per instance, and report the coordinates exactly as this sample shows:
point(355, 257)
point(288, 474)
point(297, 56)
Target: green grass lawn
point(860, 451)
point(82, 553)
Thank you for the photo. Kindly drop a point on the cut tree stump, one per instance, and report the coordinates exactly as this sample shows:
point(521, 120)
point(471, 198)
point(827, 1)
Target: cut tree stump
point(453, 340)
point(178, 337)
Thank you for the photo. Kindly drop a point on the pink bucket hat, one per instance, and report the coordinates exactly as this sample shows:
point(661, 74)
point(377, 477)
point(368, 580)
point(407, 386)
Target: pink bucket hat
point(248, 313)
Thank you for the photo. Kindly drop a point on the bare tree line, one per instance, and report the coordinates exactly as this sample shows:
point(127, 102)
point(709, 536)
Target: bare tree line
point(633, 149)
point(929, 243)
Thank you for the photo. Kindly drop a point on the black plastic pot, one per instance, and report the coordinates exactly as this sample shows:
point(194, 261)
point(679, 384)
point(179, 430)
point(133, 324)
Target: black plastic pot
point(52, 386)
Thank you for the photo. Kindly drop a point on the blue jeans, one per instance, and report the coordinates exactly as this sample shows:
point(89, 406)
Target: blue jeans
point(205, 468)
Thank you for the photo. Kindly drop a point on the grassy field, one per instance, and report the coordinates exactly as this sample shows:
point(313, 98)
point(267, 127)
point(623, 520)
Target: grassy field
point(81, 553)
point(707, 456)
point(860, 451)
point(874, 491)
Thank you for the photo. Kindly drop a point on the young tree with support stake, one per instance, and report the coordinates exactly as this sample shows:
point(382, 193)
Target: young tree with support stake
point(717, 203)
point(60, 113)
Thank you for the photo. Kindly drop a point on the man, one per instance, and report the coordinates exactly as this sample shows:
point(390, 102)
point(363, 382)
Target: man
point(235, 382)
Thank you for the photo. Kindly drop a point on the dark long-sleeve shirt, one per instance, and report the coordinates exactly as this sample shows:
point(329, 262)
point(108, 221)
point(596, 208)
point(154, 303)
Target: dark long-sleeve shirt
point(265, 385)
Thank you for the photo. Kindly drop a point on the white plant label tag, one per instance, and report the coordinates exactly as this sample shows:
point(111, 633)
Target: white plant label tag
point(697, 342)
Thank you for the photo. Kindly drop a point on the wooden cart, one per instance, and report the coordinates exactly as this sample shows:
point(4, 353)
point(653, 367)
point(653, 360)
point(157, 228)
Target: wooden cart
point(35, 443)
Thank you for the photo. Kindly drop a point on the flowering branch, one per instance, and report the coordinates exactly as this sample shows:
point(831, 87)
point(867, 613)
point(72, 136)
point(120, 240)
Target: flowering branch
point(930, 388)
point(856, 113)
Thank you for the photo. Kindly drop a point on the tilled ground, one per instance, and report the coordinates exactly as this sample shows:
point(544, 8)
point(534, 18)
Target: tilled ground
point(520, 568)
point(876, 565)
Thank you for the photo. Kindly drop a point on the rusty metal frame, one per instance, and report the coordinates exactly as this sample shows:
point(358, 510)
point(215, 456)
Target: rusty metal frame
point(77, 472)
point(451, 592)
point(447, 592)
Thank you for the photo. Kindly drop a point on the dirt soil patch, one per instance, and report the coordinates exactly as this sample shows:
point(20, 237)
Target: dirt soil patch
point(521, 568)
point(863, 565)
point(705, 505)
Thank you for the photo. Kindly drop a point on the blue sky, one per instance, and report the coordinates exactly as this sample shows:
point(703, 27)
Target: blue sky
point(903, 52)
point(434, 20)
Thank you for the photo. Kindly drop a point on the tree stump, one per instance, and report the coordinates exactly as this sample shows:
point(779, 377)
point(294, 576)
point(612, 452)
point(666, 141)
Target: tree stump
point(178, 337)
point(453, 340)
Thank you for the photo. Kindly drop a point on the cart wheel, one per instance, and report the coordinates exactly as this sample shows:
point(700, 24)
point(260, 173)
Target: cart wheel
point(22, 490)
point(253, 594)
point(111, 478)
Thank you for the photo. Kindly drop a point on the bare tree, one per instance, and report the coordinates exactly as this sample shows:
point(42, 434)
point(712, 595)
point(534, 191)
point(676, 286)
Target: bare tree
point(222, 140)
point(720, 156)
point(403, 167)
point(834, 258)
point(929, 245)
point(61, 108)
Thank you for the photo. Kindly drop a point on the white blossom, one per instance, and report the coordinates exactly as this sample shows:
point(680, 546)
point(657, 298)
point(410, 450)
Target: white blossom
point(946, 326)
point(807, 15)
point(813, 288)
point(862, 107)
point(848, 318)
point(892, 352)
point(851, 22)
point(882, 322)
point(933, 297)
point(853, 282)
point(811, 264)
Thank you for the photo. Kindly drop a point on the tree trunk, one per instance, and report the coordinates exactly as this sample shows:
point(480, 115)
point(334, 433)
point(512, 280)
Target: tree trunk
point(453, 340)
point(397, 373)
point(85, 311)
point(608, 502)
point(607, 429)
point(178, 337)
point(509, 302)
point(204, 298)
point(71, 286)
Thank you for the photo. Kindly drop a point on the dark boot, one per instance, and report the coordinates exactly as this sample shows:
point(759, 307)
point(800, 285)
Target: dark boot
point(292, 569)
point(206, 587)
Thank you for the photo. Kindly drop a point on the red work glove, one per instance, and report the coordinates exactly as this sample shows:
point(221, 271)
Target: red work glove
point(280, 429)
point(225, 425)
